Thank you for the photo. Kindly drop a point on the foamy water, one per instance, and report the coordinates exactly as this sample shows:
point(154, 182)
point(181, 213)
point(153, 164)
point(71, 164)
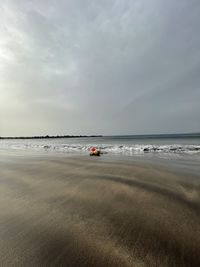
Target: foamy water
point(125, 146)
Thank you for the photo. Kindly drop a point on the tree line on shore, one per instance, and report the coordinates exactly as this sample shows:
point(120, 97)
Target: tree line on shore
point(48, 136)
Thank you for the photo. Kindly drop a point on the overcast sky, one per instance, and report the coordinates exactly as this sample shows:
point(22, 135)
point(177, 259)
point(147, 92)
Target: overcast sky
point(99, 66)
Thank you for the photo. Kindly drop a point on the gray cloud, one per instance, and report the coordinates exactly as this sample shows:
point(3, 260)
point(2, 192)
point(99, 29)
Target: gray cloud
point(107, 67)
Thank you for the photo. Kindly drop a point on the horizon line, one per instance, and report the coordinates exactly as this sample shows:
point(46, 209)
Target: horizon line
point(97, 135)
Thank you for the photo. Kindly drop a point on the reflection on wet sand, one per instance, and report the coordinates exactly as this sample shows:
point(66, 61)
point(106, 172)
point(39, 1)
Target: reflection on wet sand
point(80, 211)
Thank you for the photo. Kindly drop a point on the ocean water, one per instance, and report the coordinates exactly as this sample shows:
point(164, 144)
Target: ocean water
point(124, 145)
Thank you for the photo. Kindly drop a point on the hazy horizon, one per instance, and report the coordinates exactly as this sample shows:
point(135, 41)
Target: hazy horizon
point(99, 67)
point(103, 135)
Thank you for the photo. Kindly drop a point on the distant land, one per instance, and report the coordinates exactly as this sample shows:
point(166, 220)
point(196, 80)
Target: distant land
point(48, 136)
point(129, 136)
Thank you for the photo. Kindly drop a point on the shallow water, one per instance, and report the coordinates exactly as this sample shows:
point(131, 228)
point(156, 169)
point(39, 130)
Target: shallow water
point(124, 145)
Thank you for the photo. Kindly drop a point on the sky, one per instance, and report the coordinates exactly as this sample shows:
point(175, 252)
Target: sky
point(99, 67)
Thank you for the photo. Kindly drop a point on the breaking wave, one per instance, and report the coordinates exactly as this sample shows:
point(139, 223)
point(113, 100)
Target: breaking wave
point(105, 148)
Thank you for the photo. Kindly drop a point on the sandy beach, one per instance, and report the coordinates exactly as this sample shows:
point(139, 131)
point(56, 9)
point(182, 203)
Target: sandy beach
point(58, 210)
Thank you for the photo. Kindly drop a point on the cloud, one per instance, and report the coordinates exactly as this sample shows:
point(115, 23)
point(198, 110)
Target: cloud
point(99, 66)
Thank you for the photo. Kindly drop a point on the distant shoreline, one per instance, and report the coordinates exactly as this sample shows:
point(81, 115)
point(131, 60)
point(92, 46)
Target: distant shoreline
point(129, 136)
point(49, 136)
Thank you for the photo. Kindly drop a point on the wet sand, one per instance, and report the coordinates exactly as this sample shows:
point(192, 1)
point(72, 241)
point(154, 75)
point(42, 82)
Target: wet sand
point(87, 211)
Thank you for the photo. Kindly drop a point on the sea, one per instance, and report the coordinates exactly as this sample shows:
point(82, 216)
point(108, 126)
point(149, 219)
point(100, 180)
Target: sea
point(125, 145)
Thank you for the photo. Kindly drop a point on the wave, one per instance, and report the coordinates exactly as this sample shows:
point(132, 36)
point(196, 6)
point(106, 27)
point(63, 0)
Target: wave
point(105, 148)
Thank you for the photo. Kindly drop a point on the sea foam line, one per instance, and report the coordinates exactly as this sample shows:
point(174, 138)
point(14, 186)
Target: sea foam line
point(105, 148)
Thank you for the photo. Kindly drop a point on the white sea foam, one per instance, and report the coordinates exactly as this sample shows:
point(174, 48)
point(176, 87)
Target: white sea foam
point(105, 148)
